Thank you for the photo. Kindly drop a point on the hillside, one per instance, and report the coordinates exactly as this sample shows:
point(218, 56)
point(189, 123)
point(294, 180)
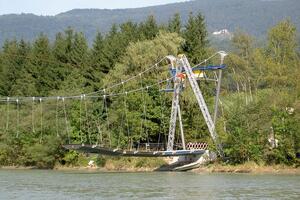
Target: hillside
point(254, 16)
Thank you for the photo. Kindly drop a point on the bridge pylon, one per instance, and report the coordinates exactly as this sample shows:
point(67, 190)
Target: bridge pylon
point(179, 66)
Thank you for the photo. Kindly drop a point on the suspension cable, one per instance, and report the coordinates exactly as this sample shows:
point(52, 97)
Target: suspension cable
point(142, 121)
point(114, 85)
point(18, 117)
point(41, 109)
point(126, 117)
point(24, 99)
point(56, 117)
point(145, 116)
point(149, 68)
point(66, 120)
point(87, 123)
point(107, 117)
point(99, 139)
point(7, 114)
point(129, 79)
point(102, 116)
point(162, 122)
point(209, 58)
point(32, 114)
point(80, 120)
point(121, 126)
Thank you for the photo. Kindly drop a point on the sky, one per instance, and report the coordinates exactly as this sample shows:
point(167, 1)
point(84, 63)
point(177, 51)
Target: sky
point(53, 7)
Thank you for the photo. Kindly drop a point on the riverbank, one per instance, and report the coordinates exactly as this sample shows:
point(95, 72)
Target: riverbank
point(249, 168)
point(83, 168)
point(104, 164)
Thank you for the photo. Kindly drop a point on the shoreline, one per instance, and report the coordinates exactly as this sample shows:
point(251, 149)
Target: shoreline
point(79, 169)
point(208, 169)
point(248, 168)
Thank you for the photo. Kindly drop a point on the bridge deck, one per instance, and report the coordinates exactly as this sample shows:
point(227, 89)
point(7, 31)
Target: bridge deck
point(116, 152)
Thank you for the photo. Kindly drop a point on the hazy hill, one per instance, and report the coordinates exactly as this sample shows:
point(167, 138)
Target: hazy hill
point(254, 16)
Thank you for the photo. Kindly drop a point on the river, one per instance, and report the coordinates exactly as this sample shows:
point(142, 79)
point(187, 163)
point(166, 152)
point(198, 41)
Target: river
point(48, 184)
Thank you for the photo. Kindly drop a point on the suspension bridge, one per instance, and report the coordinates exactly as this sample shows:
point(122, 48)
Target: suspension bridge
point(181, 75)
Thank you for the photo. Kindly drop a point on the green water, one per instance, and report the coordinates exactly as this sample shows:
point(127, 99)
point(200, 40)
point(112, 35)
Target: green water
point(47, 184)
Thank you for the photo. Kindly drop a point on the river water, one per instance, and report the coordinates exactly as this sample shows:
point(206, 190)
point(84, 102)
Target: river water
point(47, 184)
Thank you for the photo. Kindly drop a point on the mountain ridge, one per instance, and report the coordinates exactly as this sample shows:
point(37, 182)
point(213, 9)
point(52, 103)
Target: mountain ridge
point(254, 17)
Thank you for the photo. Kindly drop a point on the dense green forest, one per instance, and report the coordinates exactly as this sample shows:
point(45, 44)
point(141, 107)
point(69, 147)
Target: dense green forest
point(219, 14)
point(260, 90)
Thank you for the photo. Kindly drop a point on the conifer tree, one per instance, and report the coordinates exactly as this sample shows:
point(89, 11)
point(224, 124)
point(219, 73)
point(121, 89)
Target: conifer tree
point(25, 83)
point(98, 58)
point(61, 57)
point(195, 36)
point(129, 32)
point(69, 40)
point(149, 28)
point(79, 51)
point(60, 48)
point(10, 71)
point(113, 47)
point(42, 67)
point(175, 24)
point(98, 63)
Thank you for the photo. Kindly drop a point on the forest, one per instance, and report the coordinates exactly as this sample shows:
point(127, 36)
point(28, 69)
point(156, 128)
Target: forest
point(259, 97)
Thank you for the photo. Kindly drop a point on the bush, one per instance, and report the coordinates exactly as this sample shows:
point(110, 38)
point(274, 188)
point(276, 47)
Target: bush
point(43, 155)
point(71, 158)
point(100, 161)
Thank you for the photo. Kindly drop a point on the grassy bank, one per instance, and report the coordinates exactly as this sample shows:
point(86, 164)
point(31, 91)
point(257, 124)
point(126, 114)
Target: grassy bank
point(107, 163)
point(113, 164)
point(78, 161)
point(249, 167)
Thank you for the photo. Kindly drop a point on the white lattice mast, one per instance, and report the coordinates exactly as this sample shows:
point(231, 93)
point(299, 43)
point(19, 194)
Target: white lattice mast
point(200, 99)
point(175, 102)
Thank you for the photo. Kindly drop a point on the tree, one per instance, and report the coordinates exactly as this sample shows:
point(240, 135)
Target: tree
point(41, 68)
point(10, 67)
point(195, 36)
point(129, 32)
point(79, 51)
point(61, 55)
point(281, 59)
point(69, 40)
point(97, 54)
point(112, 47)
point(175, 24)
point(149, 28)
point(25, 84)
point(60, 48)
point(243, 43)
point(142, 126)
point(98, 62)
point(282, 43)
